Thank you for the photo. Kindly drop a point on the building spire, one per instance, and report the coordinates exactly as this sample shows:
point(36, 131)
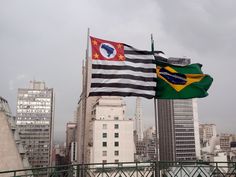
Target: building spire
point(138, 119)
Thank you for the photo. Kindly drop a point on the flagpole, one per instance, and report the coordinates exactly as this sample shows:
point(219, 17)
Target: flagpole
point(155, 111)
point(85, 95)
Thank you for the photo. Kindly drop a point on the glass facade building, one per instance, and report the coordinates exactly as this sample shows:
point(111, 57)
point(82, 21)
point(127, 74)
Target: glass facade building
point(178, 130)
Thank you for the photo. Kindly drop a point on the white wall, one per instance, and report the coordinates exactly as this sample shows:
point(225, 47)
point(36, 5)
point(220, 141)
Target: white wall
point(107, 110)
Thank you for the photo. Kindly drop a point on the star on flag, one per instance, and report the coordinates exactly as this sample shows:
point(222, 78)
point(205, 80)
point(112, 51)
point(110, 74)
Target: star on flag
point(107, 50)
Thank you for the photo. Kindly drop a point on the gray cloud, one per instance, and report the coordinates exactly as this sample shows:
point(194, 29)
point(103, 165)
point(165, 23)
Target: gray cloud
point(46, 40)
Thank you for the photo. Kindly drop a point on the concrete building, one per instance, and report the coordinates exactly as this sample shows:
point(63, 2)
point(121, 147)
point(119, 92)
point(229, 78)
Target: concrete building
point(111, 133)
point(12, 153)
point(34, 118)
point(225, 140)
point(207, 131)
point(146, 149)
point(71, 144)
point(178, 130)
point(208, 139)
point(150, 133)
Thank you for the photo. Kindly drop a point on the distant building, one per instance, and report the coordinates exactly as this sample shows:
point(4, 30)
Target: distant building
point(150, 141)
point(111, 139)
point(34, 118)
point(178, 130)
point(60, 154)
point(12, 153)
point(225, 140)
point(71, 144)
point(146, 149)
point(208, 140)
point(140, 153)
point(150, 133)
point(207, 131)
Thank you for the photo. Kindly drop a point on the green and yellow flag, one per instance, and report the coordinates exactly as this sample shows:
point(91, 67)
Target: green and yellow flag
point(181, 82)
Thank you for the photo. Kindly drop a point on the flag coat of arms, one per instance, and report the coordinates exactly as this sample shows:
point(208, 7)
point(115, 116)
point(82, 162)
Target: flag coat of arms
point(180, 82)
point(121, 70)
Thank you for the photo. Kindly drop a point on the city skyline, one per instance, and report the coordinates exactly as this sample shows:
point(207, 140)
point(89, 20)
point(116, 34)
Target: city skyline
point(46, 41)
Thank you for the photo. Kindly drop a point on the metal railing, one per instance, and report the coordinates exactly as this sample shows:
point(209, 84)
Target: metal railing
point(133, 169)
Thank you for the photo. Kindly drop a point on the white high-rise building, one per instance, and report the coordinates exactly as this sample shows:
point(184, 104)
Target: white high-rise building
point(34, 118)
point(111, 137)
point(138, 120)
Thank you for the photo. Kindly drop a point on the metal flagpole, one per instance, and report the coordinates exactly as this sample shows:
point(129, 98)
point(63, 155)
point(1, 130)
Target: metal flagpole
point(85, 87)
point(155, 110)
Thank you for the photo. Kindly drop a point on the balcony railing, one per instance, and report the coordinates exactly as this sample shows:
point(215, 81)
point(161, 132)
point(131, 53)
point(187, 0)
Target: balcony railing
point(139, 169)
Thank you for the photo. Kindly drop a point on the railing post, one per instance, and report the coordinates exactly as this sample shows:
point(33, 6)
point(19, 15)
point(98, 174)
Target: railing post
point(102, 169)
point(136, 166)
point(181, 167)
point(77, 170)
point(157, 169)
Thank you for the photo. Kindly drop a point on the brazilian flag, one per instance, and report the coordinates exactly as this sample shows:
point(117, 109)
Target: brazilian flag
point(181, 82)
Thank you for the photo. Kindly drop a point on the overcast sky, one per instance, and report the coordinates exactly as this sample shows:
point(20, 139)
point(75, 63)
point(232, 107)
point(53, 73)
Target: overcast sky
point(46, 40)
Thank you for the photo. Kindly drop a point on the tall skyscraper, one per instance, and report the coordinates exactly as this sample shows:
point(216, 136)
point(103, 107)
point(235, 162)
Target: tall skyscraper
point(34, 118)
point(138, 119)
point(178, 130)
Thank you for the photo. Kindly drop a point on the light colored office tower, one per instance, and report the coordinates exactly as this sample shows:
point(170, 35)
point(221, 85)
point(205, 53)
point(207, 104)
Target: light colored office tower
point(34, 118)
point(111, 137)
point(178, 130)
point(138, 120)
point(12, 153)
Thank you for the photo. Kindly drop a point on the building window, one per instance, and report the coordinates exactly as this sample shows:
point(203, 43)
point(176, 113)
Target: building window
point(104, 135)
point(116, 153)
point(116, 135)
point(104, 153)
point(104, 144)
point(116, 161)
point(104, 126)
point(104, 161)
point(116, 118)
point(116, 143)
point(116, 126)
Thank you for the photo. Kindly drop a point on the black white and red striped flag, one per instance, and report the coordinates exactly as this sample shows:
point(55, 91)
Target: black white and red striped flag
point(121, 70)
